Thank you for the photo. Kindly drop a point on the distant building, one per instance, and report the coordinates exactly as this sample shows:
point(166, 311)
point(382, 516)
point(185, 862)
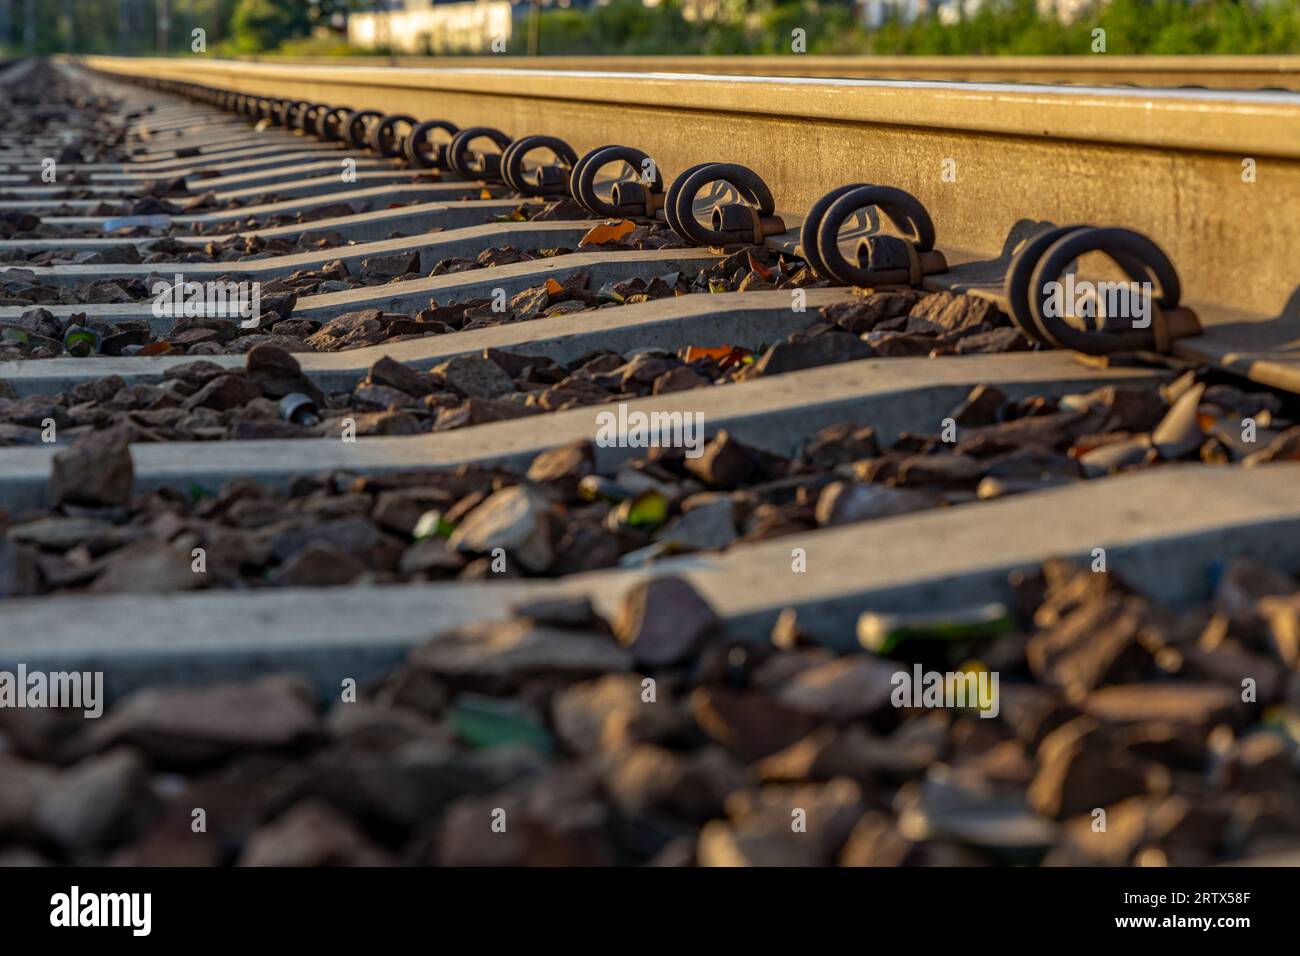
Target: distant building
point(952, 11)
point(699, 11)
point(873, 14)
point(430, 27)
point(1067, 11)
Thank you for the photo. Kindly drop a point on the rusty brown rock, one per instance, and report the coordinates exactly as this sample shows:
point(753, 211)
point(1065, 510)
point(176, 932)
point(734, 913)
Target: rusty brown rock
point(843, 502)
point(1186, 703)
point(394, 374)
point(224, 393)
point(953, 311)
point(1079, 769)
point(645, 779)
point(980, 407)
point(725, 462)
point(840, 444)
point(475, 377)
point(759, 831)
point(679, 379)
point(195, 725)
point(663, 621)
point(565, 466)
point(147, 567)
point(312, 833)
point(504, 652)
point(1094, 644)
point(318, 564)
point(24, 786)
point(612, 712)
point(748, 724)
point(865, 314)
point(842, 690)
point(96, 470)
point(98, 802)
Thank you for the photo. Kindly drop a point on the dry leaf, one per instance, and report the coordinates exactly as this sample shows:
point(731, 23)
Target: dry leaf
point(695, 352)
point(607, 232)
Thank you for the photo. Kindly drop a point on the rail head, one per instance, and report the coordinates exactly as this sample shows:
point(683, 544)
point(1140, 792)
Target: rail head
point(1251, 123)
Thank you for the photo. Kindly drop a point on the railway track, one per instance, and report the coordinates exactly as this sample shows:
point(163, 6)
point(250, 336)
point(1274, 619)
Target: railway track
point(1209, 72)
point(627, 478)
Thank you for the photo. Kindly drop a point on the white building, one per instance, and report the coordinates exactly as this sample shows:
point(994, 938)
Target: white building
point(1067, 11)
point(424, 27)
point(873, 13)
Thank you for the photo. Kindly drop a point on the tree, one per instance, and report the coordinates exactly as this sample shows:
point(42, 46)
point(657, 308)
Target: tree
point(259, 25)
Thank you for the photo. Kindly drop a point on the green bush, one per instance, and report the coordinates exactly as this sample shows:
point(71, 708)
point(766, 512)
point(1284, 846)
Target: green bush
point(259, 25)
point(999, 27)
point(624, 27)
point(320, 46)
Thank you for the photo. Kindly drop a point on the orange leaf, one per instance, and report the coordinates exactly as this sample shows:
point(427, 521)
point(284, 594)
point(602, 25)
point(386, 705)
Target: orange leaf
point(485, 194)
point(607, 232)
point(553, 287)
point(755, 266)
point(695, 352)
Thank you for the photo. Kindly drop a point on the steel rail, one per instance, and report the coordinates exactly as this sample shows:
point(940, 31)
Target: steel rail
point(984, 159)
point(1213, 72)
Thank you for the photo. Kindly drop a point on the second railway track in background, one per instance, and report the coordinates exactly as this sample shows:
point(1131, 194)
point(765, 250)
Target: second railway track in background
point(1196, 190)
